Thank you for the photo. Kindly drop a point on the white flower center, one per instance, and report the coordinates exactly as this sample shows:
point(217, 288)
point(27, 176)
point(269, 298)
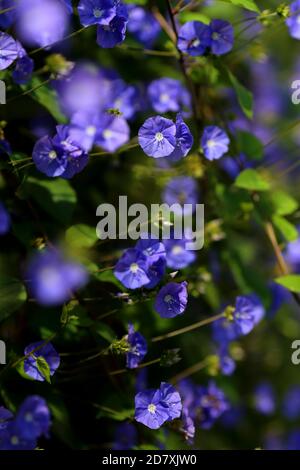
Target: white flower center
point(168, 298)
point(151, 408)
point(215, 36)
point(98, 13)
point(28, 417)
point(177, 249)
point(164, 97)
point(52, 154)
point(14, 440)
point(211, 143)
point(196, 42)
point(91, 131)
point(159, 136)
point(134, 268)
point(107, 134)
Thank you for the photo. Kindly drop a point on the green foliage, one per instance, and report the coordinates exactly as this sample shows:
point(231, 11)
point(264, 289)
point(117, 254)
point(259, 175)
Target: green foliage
point(46, 97)
point(12, 296)
point(286, 228)
point(248, 4)
point(290, 281)
point(244, 96)
point(43, 368)
point(252, 181)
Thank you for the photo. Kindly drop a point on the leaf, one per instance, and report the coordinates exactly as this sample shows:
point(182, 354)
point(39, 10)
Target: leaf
point(194, 16)
point(250, 179)
point(43, 368)
point(81, 236)
point(285, 227)
point(20, 369)
point(46, 97)
point(250, 145)
point(283, 203)
point(290, 282)
point(12, 295)
point(244, 96)
point(248, 4)
point(56, 197)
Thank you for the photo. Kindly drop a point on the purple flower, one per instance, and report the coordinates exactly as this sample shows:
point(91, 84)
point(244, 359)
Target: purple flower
point(222, 37)
point(53, 278)
point(114, 33)
point(171, 300)
point(157, 137)
point(132, 269)
point(96, 11)
point(60, 155)
point(293, 21)
point(246, 315)
point(291, 403)
point(33, 418)
point(184, 140)
point(155, 252)
point(5, 221)
point(47, 352)
point(125, 437)
point(113, 132)
point(182, 190)
point(214, 142)
point(292, 254)
point(41, 23)
point(8, 50)
point(154, 407)
point(142, 25)
point(84, 128)
point(126, 98)
point(8, 17)
point(23, 70)
point(138, 348)
point(227, 364)
point(5, 417)
point(167, 94)
point(194, 38)
point(10, 439)
point(293, 441)
point(178, 257)
point(264, 399)
point(212, 403)
point(188, 426)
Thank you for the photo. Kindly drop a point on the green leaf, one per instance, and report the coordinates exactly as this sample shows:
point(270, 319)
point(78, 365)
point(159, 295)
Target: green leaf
point(250, 179)
point(248, 4)
point(283, 203)
point(20, 369)
point(81, 236)
point(43, 368)
point(285, 227)
point(244, 96)
point(12, 296)
point(105, 331)
point(250, 145)
point(46, 97)
point(194, 16)
point(55, 196)
point(290, 282)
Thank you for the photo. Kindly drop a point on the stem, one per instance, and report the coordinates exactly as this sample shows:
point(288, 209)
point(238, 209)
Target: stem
point(141, 366)
point(188, 328)
point(189, 371)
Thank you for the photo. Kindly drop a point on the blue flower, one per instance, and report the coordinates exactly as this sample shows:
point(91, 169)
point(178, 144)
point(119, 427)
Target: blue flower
point(8, 17)
point(47, 352)
point(214, 142)
point(125, 437)
point(184, 140)
point(52, 279)
point(178, 257)
point(5, 417)
point(33, 418)
point(292, 254)
point(168, 94)
point(96, 11)
point(41, 23)
point(182, 190)
point(114, 33)
point(157, 137)
point(222, 37)
point(188, 426)
point(113, 132)
point(212, 403)
point(154, 407)
point(10, 439)
point(264, 399)
point(293, 21)
point(142, 25)
point(155, 252)
point(138, 348)
point(194, 38)
point(23, 70)
point(227, 364)
point(126, 98)
point(5, 221)
point(171, 300)
point(8, 50)
point(291, 403)
point(60, 155)
point(132, 269)
point(247, 313)
point(84, 128)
